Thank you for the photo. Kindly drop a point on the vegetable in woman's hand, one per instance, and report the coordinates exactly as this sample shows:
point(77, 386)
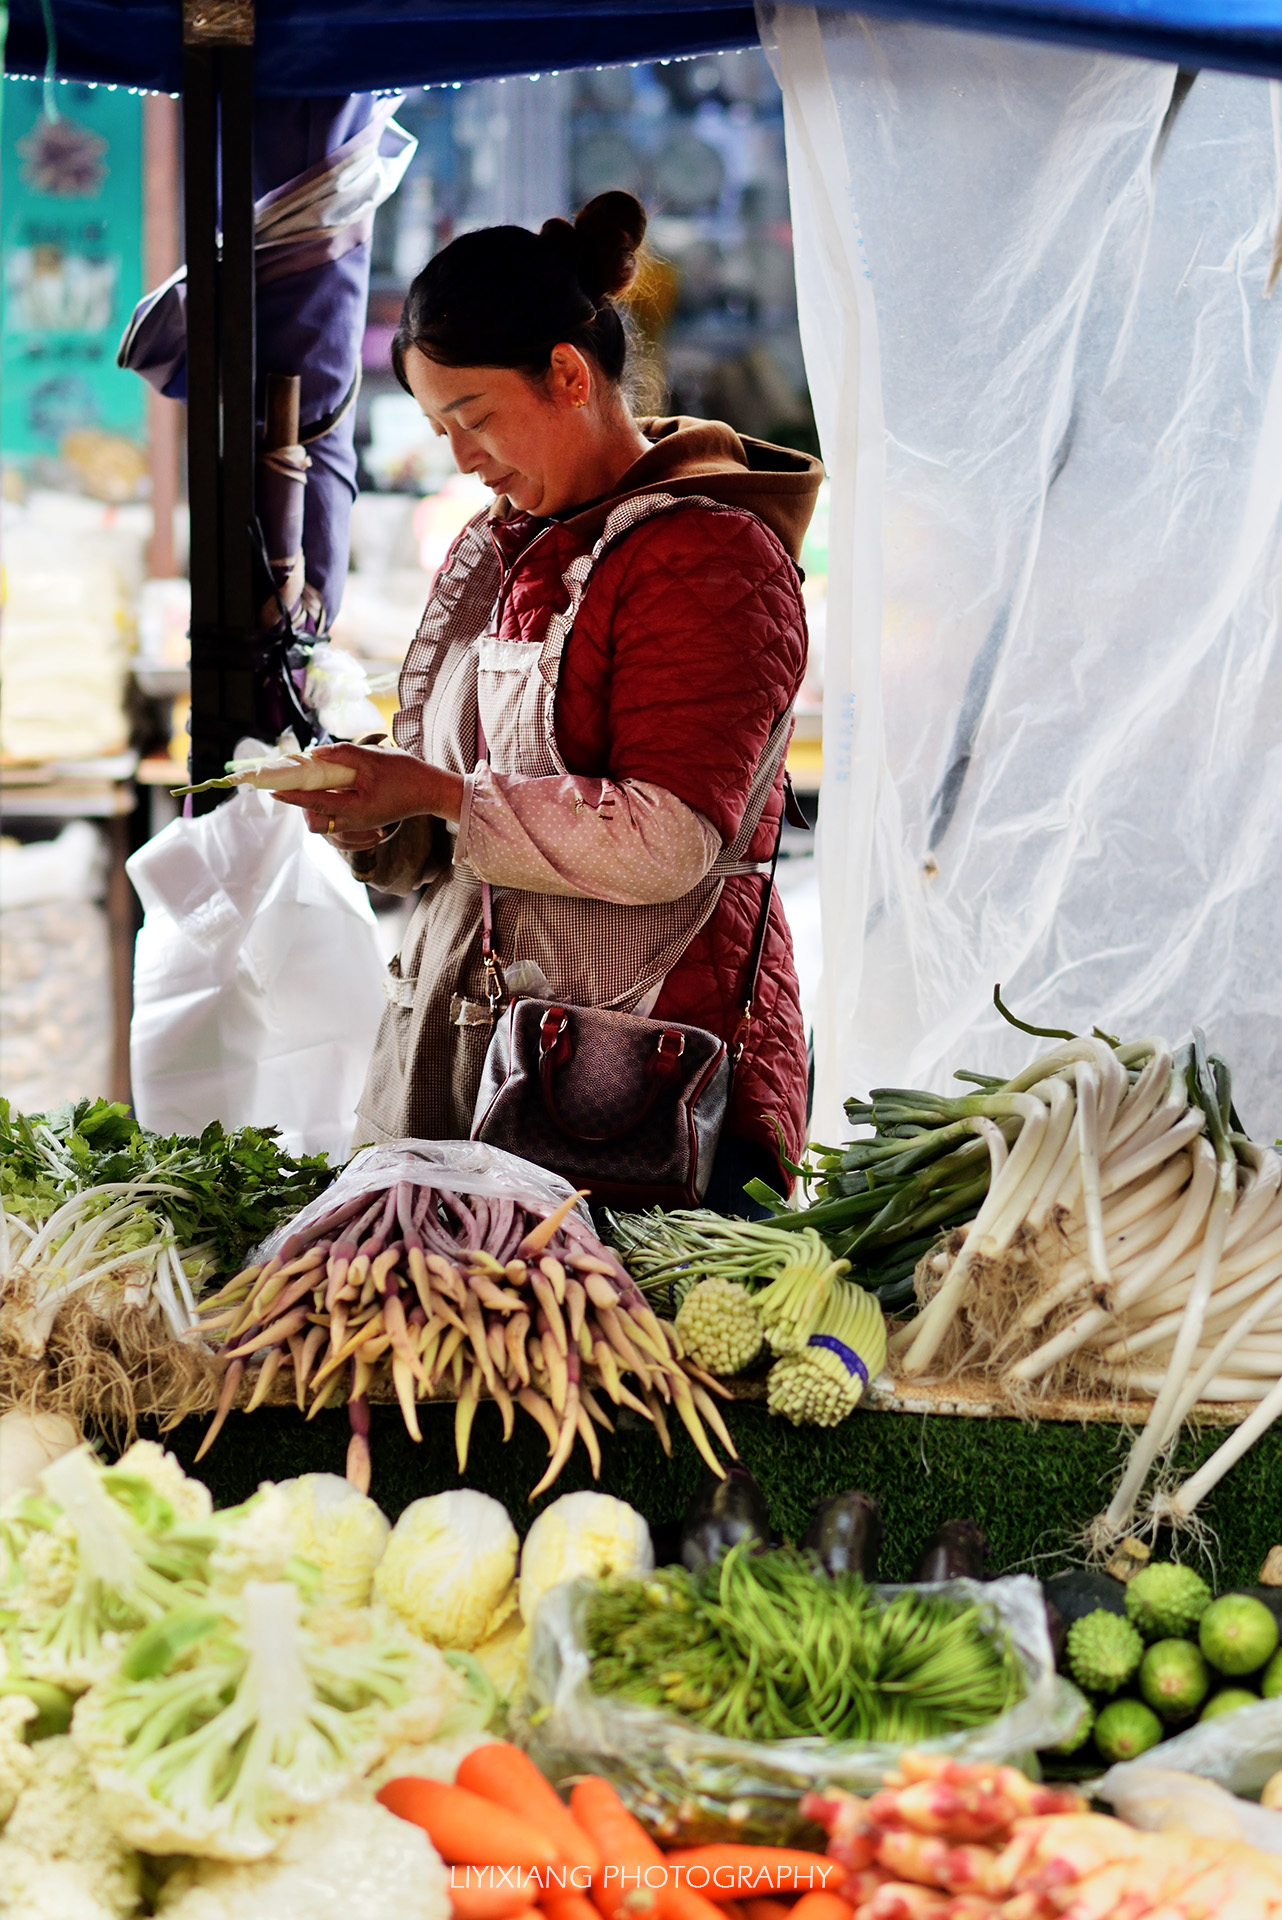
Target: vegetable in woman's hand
point(369, 787)
point(302, 772)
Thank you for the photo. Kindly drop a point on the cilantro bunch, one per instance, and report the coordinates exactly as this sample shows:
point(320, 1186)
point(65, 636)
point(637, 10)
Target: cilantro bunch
point(228, 1190)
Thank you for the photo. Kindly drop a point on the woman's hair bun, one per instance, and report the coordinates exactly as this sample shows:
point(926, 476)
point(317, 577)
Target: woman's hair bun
point(603, 242)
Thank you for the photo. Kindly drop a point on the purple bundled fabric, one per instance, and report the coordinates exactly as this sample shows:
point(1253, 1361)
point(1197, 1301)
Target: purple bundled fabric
point(321, 167)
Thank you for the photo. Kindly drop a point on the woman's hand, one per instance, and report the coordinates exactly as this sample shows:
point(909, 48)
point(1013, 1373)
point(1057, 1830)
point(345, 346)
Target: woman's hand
point(390, 786)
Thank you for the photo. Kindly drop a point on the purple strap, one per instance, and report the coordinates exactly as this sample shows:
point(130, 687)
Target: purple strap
point(853, 1363)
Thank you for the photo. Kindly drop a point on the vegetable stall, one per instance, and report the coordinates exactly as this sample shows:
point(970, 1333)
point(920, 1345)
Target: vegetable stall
point(408, 1537)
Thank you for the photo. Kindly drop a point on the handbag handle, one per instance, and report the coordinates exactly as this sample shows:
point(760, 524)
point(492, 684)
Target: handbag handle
point(556, 1049)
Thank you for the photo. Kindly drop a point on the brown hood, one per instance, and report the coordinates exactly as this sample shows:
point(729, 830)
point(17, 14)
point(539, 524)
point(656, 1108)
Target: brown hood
point(709, 458)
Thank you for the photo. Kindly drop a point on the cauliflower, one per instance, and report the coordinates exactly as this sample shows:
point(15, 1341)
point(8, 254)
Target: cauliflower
point(58, 1855)
point(449, 1569)
point(32, 1888)
point(582, 1536)
point(226, 1723)
point(255, 1542)
point(16, 1761)
point(145, 1460)
point(354, 1858)
point(340, 1531)
point(97, 1555)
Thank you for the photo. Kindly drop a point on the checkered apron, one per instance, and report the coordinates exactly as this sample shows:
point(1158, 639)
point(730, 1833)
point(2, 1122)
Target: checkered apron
point(458, 675)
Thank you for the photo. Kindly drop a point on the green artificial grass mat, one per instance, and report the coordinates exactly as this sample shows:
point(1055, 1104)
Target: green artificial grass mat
point(1032, 1488)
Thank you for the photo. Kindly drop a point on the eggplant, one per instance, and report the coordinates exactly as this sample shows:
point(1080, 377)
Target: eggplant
point(665, 1537)
point(723, 1513)
point(1056, 1627)
point(846, 1534)
point(1081, 1592)
point(959, 1551)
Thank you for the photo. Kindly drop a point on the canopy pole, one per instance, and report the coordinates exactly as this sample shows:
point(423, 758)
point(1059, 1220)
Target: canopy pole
point(218, 162)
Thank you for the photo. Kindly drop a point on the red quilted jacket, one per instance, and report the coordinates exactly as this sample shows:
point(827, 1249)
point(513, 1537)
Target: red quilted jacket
point(688, 648)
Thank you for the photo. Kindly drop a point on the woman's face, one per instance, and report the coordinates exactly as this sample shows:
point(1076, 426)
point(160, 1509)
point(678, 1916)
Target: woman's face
point(536, 440)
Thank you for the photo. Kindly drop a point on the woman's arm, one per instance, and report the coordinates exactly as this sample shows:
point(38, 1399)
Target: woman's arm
point(621, 840)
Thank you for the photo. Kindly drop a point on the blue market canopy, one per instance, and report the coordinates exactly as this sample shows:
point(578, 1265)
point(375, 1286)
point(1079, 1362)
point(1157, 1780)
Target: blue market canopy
point(310, 47)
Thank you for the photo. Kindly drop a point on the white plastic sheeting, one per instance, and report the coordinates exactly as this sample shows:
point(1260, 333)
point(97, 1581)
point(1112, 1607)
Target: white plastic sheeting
point(1048, 380)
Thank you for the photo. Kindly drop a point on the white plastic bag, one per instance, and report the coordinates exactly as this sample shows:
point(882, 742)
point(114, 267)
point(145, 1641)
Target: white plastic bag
point(257, 978)
point(689, 1785)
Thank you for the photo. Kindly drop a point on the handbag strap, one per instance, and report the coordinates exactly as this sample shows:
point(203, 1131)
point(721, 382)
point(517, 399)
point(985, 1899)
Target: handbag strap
point(740, 1041)
point(496, 986)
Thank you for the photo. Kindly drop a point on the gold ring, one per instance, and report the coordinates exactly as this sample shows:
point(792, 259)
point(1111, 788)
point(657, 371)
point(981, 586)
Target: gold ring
point(330, 828)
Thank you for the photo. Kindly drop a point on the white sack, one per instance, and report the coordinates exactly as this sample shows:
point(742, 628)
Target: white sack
point(1053, 678)
point(257, 978)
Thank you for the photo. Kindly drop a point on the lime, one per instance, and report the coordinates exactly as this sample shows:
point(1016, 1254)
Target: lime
point(1271, 1678)
point(1174, 1678)
point(1228, 1700)
point(1237, 1634)
point(1126, 1728)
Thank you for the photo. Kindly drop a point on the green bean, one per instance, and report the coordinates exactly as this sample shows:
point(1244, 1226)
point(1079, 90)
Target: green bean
point(763, 1647)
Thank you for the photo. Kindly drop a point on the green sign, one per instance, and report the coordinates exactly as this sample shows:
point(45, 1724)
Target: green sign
point(72, 258)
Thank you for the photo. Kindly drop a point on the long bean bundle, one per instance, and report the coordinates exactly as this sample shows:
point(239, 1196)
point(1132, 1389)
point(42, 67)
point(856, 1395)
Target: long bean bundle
point(456, 1295)
point(765, 1647)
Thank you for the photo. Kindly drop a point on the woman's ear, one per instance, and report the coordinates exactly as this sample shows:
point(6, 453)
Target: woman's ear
point(569, 377)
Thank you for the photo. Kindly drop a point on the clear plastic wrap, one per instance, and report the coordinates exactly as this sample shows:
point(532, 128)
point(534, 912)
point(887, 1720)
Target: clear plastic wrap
point(1159, 1800)
point(1047, 377)
point(688, 1785)
point(462, 1166)
point(1239, 1751)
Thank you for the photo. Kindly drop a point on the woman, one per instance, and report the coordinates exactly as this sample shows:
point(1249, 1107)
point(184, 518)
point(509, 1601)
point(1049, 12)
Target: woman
point(598, 771)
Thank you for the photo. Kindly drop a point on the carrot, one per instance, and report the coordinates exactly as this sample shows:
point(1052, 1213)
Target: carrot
point(823, 1906)
point(490, 1893)
point(500, 1772)
point(766, 1910)
point(463, 1828)
point(634, 1881)
point(568, 1906)
point(722, 1872)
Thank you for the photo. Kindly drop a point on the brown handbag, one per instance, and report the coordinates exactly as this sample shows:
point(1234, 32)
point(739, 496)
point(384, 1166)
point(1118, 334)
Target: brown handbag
point(630, 1108)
